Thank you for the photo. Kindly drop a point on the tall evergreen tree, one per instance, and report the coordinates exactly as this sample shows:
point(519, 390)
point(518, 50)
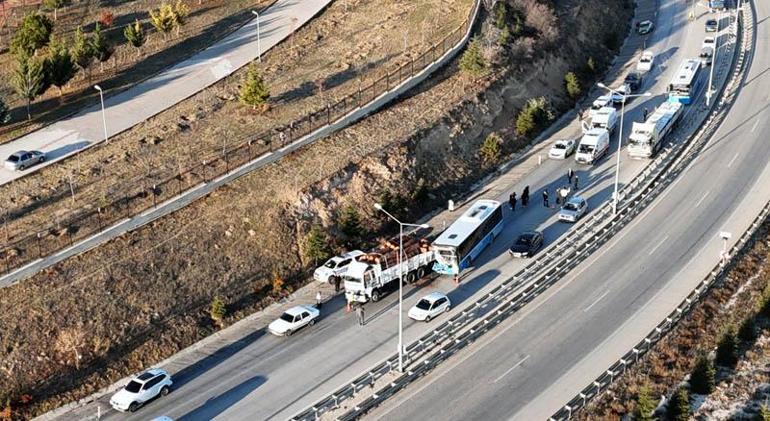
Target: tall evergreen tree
point(727, 349)
point(33, 34)
point(316, 245)
point(350, 222)
point(82, 51)
point(472, 61)
point(572, 85)
point(702, 378)
point(28, 79)
point(679, 406)
point(59, 67)
point(100, 46)
point(645, 406)
point(254, 91)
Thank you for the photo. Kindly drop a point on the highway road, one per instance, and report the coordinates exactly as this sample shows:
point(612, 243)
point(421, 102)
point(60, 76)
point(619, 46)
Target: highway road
point(146, 99)
point(264, 377)
point(532, 364)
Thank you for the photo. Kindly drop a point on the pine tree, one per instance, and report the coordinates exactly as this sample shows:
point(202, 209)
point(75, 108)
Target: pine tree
point(134, 34)
point(82, 50)
point(180, 15)
point(254, 91)
point(100, 46)
point(645, 406)
point(32, 35)
point(472, 61)
point(525, 123)
point(5, 113)
point(702, 378)
point(163, 19)
point(316, 245)
point(55, 5)
point(748, 329)
point(59, 67)
point(727, 349)
point(217, 310)
point(491, 148)
point(572, 85)
point(28, 79)
point(679, 406)
point(350, 222)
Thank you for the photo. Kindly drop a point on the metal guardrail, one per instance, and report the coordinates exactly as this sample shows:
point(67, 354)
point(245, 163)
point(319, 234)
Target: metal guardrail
point(555, 261)
point(620, 366)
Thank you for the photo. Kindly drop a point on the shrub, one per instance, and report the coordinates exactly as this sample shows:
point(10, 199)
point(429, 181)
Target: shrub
point(763, 414)
point(180, 12)
point(254, 91)
point(472, 61)
point(316, 245)
point(491, 148)
point(644, 405)
point(134, 34)
point(572, 85)
point(5, 113)
point(535, 114)
point(28, 79)
point(59, 67)
point(727, 349)
point(501, 15)
point(100, 46)
point(32, 35)
point(350, 222)
point(278, 283)
point(217, 311)
point(748, 330)
point(163, 19)
point(106, 18)
point(679, 406)
point(702, 377)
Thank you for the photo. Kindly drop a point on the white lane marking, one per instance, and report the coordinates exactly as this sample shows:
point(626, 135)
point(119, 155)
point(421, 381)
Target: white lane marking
point(659, 244)
point(512, 368)
point(730, 164)
point(703, 198)
point(754, 127)
point(596, 301)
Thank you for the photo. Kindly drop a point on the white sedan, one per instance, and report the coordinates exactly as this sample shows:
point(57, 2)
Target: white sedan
point(293, 319)
point(645, 61)
point(562, 148)
point(709, 42)
point(430, 306)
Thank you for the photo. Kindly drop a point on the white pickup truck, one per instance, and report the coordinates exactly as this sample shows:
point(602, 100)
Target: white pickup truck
point(335, 267)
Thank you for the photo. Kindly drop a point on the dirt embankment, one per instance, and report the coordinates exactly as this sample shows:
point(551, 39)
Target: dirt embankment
point(116, 309)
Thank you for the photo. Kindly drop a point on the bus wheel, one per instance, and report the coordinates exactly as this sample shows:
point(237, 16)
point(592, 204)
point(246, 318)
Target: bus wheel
point(376, 295)
point(421, 272)
point(410, 278)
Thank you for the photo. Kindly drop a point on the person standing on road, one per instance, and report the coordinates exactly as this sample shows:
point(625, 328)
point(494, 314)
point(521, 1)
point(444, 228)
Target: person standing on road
point(570, 173)
point(360, 315)
point(644, 112)
point(318, 300)
point(576, 182)
point(545, 198)
point(337, 281)
point(512, 201)
point(525, 196)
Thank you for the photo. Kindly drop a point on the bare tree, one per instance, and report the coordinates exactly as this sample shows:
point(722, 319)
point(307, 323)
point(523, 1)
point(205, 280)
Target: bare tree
point(71, 340)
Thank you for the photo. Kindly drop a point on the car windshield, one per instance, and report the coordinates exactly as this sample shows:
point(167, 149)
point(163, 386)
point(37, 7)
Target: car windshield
point(331, 264)
point(586, 148)
point(571, 206)
point(560, 146)
point(423, 304)
point(287, 317)
point(524, 240)
point(13, 158)
point(133, 386)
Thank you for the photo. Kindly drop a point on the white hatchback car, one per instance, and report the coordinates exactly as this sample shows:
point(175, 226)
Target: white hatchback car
point(293, 319)
point(142, 388)
point(645, 61)
point(562, 148)
point(430, 306)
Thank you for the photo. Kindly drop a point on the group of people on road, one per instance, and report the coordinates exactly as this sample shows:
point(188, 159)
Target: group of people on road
point(561, 193)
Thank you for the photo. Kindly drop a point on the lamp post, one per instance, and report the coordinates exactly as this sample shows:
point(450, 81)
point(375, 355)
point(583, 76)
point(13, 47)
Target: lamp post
point(710, 90)
point(724, 235)
point(259, 41)
point(401, 226)
point(104, 116)
point(620, 140)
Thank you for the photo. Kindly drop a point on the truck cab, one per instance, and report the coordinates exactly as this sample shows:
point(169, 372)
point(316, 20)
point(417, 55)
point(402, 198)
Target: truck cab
point(605, 118)
point(593, 145)
point(335, 267)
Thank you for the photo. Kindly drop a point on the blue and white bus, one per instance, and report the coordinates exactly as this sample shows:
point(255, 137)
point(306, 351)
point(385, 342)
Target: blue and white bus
point(467, 237)
point(684, 86)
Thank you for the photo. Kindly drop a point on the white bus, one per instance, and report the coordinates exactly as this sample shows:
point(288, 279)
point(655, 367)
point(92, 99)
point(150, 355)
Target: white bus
point(684, 86)
point(467, 237)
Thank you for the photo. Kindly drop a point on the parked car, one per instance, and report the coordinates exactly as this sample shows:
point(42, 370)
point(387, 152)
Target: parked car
point(293, 319)
point(335, 267)
point(706, 55)
point(709, 42)
point(646, 61)
point(712, 25)
point(21, 160)
point(527, 244)
point(562, 148)
point(430, 306)
point(634, 81)
point(573, 209)
point(141, 389)
point(645, 27)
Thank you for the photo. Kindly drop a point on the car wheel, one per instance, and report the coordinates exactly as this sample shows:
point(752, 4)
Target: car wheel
point(446, 310)
point(288, 332)
point(133, 407)
point(427, 319)
point(164, 391)
point(375, 295)
point(312, 322)
point(22, 167)
point(42, 158)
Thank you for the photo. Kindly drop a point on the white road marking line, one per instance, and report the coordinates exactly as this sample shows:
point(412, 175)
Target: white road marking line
point(597, 301)
point(730, 164)
point(703, 198)
point(512, 368)
point(754, 127)
point(658, 245)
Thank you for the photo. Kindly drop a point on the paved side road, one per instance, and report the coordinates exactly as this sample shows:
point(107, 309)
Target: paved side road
point(163, 91)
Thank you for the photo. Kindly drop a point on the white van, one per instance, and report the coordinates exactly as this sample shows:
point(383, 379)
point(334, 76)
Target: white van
point(605, 118)
point(593, 145)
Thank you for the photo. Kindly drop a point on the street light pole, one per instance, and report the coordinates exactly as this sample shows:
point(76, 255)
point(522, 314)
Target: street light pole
point(401, 226)
point(620, 140)
point(104, 116)
point(259, 41)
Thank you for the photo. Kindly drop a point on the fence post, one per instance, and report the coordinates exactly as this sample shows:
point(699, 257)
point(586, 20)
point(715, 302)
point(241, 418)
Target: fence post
point(39, 247)
point(328, 114)
point(179, 182)
point(359, 95)
point(203, 163)
point(251, 156)
point(128, 205)
point(387, 80)
point(412, 61)
point(154, 197)
point(99, 216)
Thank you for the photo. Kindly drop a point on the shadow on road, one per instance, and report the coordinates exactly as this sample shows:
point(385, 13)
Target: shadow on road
point(219, 404)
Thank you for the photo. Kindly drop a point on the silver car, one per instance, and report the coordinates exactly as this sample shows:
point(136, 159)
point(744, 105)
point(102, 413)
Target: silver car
point(573, 210)
point(21, 160)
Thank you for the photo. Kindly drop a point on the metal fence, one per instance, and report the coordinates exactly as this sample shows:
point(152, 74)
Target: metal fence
point(154, 189)
point(515, 292)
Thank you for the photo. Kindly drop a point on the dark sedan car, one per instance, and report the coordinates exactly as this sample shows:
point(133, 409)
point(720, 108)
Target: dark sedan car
point(527, 244)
